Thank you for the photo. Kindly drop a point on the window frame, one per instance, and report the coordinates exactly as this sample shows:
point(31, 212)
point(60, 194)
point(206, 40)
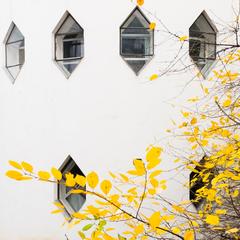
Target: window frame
point(20, 50)
point(208, 59)
point(56, 49)
point(137, 57)
point(61, 191)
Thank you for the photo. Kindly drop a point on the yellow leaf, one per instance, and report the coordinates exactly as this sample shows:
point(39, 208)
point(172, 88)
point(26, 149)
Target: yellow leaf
point(57, 211)
point(178, 209)
point(77, 191)
point(139, 229)
point(139, 165)
point(220, 211)
point(153, 163)
point(14, 174)
point(153, 153)
point(233, 230)
point(235, 193)
point(23, 178)
point(227, 103)
point(106, 186)
point(153, 77)
point(152, 25)
point(195, 99)
point(176, 230)
point(15, 164)
point(27, 167)
point(212, 219)
point(154, 182)
point(80, 180)
point(155, 220)
point(79, 215)
point(183, 38)
point(112, 175)
point(152, 191)
point(176, 160)
point(58, 204)
point(193, 121)
point(92, 179)
point(185, 114)
point(164, 187)
point(56, 173)
point(124, 177)
point(44, 175)
point(189, 235)
point(140, 2)
point(155, 173)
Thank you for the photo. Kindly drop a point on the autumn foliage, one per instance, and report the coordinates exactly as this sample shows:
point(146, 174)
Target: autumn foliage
point(210, 129)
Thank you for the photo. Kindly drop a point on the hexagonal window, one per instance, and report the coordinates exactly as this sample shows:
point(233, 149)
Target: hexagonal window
point(200, 179)
point(136, 40)
point(202, 42)
point(71, 201)
point(69, 44)
point(14, 51)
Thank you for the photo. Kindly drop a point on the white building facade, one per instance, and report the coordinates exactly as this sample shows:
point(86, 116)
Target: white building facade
point(100, 112)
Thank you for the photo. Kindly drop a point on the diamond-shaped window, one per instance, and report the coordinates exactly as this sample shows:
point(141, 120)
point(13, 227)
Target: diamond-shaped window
point(202, 42)
point(69, 44)
point(136, 40)
point(15, 51)
point(71, 201)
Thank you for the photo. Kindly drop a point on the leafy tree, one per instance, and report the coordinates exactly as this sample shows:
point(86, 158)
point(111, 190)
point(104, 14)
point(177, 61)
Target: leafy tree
point(135, 199)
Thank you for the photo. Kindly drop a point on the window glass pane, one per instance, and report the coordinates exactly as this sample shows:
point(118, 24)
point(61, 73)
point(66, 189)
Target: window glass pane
point(133, 45)
point(14, 71)
point(15, 35)
point(136, 65)
point(15, 53)
point(75, 201)
point(72, 46)
point(70, 26)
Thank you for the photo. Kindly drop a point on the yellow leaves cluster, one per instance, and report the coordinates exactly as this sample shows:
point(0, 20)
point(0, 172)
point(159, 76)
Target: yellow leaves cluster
point(16, 175)
point(139, 168)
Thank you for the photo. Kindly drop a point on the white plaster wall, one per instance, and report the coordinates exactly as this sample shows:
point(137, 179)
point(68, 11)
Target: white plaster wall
point(103, 115)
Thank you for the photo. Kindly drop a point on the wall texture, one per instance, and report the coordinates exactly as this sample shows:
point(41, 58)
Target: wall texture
point(103, 115)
